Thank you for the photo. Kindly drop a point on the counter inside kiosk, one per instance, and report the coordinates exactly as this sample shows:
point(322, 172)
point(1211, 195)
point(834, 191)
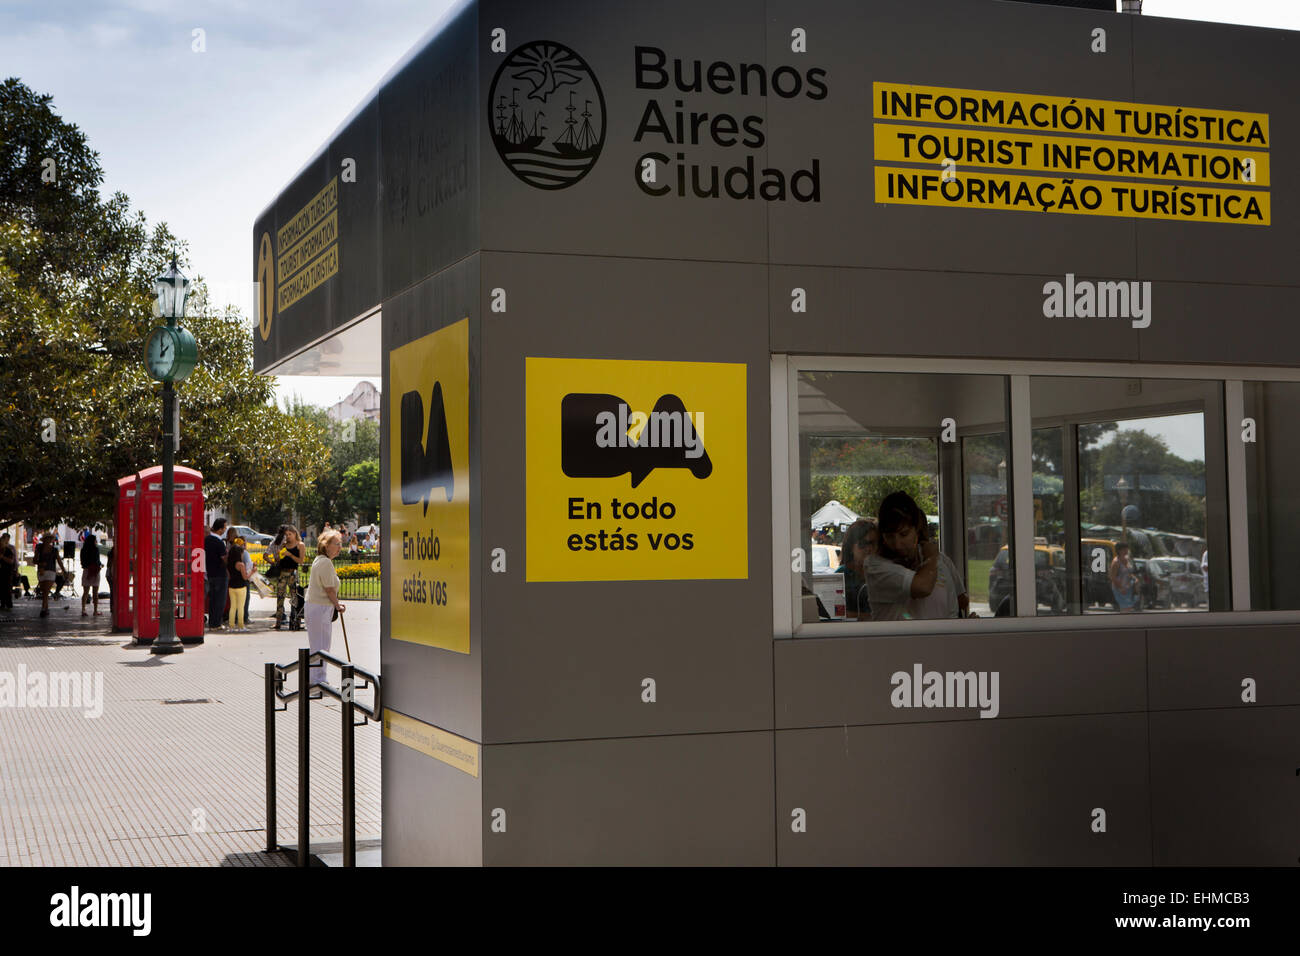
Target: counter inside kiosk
point(650, 290)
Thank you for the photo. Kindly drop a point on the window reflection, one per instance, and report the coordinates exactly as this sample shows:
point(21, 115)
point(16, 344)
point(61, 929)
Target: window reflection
point(1120, 495)
point(939, 444)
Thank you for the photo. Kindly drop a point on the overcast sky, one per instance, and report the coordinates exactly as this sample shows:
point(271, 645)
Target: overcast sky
point(205, 141)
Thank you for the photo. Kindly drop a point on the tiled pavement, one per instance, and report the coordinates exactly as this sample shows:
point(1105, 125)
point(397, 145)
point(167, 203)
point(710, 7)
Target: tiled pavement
point(172, 773)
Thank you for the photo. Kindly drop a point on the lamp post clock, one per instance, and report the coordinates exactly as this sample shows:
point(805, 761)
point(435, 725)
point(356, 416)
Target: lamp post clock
point(170, 354)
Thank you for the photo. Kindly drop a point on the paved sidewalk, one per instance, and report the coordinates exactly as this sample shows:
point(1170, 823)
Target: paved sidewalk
point(172, 772)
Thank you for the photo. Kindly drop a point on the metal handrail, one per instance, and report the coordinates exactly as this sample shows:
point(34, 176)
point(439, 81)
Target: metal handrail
point(369, 680)
point(274, 675)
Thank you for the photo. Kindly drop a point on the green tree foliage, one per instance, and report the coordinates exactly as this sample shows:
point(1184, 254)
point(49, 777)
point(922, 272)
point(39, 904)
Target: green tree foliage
point(860, 472)
point(77, 410)
point(361, 489)
point(326, 497)
point(1167, 489)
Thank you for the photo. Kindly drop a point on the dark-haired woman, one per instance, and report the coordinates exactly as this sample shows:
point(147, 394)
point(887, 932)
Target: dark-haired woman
point(859, 544)
point(91, 565)
point(909, 579)
point(290, 553)
point(237, 572)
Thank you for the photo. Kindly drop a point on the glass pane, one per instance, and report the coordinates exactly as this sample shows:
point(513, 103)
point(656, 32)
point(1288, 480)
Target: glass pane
point(1273, 493)
point(935, 443)
point(990, 583)
point(1051, 572)
point(1124, 525)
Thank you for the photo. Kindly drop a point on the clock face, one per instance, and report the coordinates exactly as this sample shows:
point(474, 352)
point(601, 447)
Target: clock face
point(160, 354)
point(170, 354)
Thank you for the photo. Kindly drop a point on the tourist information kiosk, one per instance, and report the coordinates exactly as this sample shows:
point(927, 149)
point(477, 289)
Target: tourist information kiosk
point(136, 560)
point(652, 284)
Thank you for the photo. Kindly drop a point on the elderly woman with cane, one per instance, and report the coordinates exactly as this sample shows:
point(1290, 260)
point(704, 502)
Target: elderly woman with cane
point(323, 598)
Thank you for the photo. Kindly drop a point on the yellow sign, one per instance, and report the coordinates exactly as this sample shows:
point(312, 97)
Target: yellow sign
point(636, 471)
point(265, 286)
point(1069, 156)
point(317, 208)
point(1069, 114)
point(428, 467)
point(309, 249)
point(309, 246)
point(432, 742)
point(1087, 197)
point(1185, 147)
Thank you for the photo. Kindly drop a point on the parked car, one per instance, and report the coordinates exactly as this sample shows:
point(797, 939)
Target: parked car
point(1049, 580)
point(254, 541)
point(1178, 581)
point(825, 558)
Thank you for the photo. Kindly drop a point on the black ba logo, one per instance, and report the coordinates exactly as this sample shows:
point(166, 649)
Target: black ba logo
point(547, 115)
point(602, 437)
point(426, 456)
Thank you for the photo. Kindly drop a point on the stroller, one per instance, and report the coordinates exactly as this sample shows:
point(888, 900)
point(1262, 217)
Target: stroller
point(297, 601)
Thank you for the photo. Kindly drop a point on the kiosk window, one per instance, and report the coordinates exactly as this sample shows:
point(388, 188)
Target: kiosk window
point(1272, 492)
point(941, 440)
point(1129, 491)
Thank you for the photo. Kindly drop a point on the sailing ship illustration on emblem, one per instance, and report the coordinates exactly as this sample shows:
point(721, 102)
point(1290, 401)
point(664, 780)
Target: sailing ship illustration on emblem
point(547, 115)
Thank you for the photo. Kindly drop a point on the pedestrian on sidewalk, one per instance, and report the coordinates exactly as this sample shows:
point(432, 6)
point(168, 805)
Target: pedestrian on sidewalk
point(91, 565)
point(233, 539)
point(8, 573)
point(238, 574)
point(323, 598)
point(292, 553)
point(217, 579)
point(48, 567)
point(111, 574)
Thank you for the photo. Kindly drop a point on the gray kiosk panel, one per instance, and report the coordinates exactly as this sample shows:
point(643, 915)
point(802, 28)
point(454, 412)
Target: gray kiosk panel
point(1171, 68)
point(566, 659)
point(954, 314)
point(1196, 667)
point(434, 685)
point(613, 211)
point(431, 811)
point(695, 800)
point(982, 793)
point(1245, 324)
point(847, 680)
point(1223, 787)
point(429, 119)
point(1037, 51)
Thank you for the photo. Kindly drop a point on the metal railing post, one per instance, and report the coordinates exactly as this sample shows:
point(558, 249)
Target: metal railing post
point(349, 769)
point(272, 842)
point(304, 750)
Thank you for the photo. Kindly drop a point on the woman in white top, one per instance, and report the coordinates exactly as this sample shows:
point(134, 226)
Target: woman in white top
point(322, 599)
point(909, 579)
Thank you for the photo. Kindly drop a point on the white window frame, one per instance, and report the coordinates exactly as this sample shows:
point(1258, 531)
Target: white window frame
point(786, 601)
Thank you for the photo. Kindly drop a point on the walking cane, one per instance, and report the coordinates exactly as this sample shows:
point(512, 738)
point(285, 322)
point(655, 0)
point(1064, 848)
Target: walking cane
point(343, 620)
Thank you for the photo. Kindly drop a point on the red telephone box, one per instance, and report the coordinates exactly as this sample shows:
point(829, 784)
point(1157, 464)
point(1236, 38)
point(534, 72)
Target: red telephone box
point(146, 538)
point(124, 554)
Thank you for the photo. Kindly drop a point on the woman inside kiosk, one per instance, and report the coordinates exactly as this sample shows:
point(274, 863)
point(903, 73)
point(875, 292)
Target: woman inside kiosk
point(910, 579)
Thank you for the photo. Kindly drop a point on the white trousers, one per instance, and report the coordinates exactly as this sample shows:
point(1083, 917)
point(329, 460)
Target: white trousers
point(319, 632)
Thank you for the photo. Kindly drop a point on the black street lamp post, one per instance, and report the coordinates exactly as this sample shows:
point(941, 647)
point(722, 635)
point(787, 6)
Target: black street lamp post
point(170, 356)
